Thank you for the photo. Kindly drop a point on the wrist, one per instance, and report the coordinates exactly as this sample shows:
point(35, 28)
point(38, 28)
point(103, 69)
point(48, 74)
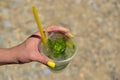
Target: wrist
point(21, 54)
point(7, 56)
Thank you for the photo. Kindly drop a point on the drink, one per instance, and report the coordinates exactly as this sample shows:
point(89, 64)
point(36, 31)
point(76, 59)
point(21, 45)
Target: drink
point(60, 49)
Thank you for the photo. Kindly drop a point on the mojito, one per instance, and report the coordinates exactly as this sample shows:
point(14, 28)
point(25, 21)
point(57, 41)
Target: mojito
point(60, 49)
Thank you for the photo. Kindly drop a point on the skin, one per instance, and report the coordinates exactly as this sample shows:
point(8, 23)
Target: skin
point(28, 50)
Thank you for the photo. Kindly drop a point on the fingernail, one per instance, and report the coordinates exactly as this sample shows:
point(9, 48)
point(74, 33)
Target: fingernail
point(70, 34)
point(51, 64)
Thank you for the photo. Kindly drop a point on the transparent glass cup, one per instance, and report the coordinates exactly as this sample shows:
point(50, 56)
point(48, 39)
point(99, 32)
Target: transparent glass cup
point(63, 51)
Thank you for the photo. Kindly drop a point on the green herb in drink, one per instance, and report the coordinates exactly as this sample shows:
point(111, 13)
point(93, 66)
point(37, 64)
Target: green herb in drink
point(57, 47)
point(60, 47)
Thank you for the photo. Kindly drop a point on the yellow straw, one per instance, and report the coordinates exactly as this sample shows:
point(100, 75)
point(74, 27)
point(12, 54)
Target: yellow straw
point(39, 25)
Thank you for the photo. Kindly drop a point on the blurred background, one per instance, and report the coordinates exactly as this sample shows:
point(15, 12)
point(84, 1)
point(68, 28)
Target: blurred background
point(94, 23)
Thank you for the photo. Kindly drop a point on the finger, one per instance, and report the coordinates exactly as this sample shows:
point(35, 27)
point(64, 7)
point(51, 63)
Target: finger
point(69, 35)
point(54, 29)
point(45, 60)
point(57, 29)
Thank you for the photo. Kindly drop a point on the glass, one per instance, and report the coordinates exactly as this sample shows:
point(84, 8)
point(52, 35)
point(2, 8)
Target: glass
point(60, 49)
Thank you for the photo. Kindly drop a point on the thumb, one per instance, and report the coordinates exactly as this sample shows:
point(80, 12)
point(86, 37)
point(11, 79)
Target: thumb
point(45, 60)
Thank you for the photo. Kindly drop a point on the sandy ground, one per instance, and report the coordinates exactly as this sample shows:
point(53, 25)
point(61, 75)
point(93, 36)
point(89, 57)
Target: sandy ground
point(96, 27)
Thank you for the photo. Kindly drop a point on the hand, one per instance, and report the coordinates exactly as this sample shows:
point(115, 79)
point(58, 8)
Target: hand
point(29, 49)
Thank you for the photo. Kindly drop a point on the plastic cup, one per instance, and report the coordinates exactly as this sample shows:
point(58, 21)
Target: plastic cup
point(60, 49)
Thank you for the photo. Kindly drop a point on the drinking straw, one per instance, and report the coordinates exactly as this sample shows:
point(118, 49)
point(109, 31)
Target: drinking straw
point(39, 25)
